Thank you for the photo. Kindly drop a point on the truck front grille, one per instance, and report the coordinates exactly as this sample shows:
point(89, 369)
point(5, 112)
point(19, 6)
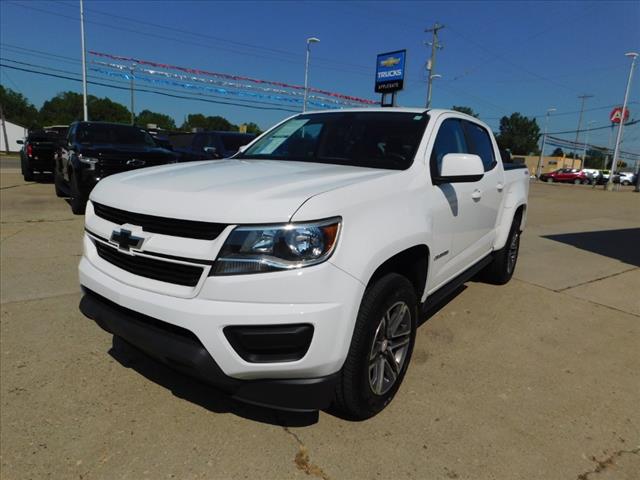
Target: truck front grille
point(166, 226)
point(169, 272)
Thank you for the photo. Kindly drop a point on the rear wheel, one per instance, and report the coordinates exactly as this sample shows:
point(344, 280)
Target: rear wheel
point(381, 348)
point(501, 269)
point(77, 200)
point(549, 180)
point(27, 172)
point(577, 181)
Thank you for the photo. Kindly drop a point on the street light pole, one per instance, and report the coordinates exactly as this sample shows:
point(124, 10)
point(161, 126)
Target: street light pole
point(544, 141)
point(583, 97)
point(616, 150)
point(310, 40)
point(431, 64)
point(85, 109)
point(133, 115)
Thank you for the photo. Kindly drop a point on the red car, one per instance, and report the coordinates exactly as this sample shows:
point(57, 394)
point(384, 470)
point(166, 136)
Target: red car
point(570, 175)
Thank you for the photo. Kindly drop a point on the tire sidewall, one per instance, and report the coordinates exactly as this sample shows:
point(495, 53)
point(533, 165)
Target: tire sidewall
point(395, 288)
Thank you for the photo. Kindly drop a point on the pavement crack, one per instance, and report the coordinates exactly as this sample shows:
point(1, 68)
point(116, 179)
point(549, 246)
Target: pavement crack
point(40, 220)
point(20, 185)
point(303, 461)
point(595, 280)
point(605, 463)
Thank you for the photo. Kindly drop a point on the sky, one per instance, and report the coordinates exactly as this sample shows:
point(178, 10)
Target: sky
point(497, 57)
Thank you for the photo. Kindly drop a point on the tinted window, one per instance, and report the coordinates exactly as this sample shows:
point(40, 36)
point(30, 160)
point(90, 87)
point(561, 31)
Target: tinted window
point(450, 139)
point(231, 143)
point(112, 133)
point(367, 139)
point(181, 140)
point(480, 144)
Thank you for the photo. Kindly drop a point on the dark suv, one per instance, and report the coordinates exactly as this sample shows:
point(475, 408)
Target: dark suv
point(208, 145)
point(94, 150)
point(38, 152)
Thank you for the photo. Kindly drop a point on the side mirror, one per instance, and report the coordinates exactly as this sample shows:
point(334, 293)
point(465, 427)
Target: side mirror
point(242, 148)
point(20, 142)
point(460, 167)
point(211, 150)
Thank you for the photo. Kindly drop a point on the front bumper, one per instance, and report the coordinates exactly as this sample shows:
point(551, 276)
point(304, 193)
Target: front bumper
point(182, 351)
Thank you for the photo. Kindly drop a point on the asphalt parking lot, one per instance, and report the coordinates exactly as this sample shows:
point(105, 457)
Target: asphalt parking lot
point(539, 379)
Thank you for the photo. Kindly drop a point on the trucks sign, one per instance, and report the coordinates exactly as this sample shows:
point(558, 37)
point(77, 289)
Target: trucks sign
point(390, 71)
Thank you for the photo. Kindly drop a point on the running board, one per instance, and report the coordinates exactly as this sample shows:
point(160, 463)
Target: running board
point(450, 287)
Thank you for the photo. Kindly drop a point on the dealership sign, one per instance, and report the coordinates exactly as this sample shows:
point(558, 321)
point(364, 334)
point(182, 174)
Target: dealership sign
point(616, 115)
point(390, 71)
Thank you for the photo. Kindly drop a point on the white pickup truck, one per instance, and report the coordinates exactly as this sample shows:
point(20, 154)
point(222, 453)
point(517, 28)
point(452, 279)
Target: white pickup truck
point(294, 274)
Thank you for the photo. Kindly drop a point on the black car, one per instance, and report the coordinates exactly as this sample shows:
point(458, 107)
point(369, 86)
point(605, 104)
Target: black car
point(207, 145)
point(38, 152)
point(94, 150)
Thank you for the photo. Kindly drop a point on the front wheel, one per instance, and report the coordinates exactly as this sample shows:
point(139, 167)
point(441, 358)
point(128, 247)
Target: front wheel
point(577, 181)
point(77, 200)
point(380, 350)
point(58, 184)
point(549, 180)
point(501, 268)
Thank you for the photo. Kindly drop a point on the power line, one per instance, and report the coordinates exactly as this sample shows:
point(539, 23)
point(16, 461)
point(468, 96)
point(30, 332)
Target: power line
point(150, 91)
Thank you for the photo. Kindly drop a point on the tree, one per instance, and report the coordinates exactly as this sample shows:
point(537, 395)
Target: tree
point(198, 120)
point(17, 108)
point(519, 134)
point(467, 110)
point(253, 128)
point(66, 107)
point(558, 152)
point(160, 119)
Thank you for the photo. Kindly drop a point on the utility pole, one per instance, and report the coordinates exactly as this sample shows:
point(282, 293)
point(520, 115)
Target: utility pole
point(431, 64)
point(310, 40)
point(4, 131)
point(133, 115)
point(544, 142)
point(586, 142)
point(616, 151)
point(583, 97)
point(84, 65)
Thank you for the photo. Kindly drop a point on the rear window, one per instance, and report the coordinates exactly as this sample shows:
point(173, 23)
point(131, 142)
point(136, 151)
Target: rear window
point(112, 133)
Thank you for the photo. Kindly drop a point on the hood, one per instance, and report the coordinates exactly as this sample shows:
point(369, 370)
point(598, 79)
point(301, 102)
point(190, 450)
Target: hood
point(227, 191)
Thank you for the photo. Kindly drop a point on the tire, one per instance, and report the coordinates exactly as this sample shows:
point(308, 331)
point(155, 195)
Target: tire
point(27, 173)
point(577, 181)
point(626, 182)
point(77, 201)
point(549, 180)
point(501, 269)
point(585, 182)
point(374, 368)
point(58, 185)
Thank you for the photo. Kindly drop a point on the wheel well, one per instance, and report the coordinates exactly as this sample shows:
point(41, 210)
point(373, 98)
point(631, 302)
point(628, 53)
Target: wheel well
point(520, 211)
point(411, 263)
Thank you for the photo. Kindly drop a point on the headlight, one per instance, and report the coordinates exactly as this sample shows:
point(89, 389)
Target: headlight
point(88, 160)
point(271, 248)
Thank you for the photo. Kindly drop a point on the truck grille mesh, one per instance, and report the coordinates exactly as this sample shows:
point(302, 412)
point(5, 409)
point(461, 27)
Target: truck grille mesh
point(166, 226)
point(169, 272)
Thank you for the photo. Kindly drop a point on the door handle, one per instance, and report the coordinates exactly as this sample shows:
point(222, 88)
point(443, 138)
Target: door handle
point(500, 187)
point(476, 195)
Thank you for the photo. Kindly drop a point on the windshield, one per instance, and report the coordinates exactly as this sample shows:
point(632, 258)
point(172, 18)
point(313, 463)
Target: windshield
point(112, 133)
point(386, 140)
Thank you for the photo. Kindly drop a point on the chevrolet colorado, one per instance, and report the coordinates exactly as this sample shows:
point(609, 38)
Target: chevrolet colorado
point(294, 274)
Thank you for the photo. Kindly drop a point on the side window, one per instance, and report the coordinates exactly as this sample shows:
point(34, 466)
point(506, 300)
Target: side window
point(480, 144)
point(71, 134)
point(450, 139)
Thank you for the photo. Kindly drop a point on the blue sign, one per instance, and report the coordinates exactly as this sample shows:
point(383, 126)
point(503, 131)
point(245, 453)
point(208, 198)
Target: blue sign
point(390, 71)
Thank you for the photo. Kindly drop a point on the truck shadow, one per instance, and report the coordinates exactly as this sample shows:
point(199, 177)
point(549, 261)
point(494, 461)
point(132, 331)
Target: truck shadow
point(619, 244)
point(201, 394)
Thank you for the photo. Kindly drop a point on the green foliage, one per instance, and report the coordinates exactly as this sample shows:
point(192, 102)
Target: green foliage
point(558, 152)
point(467, 110)
point(160, 119)
point(198, 120)
point(66, 107)
point(594, 159)
point(519, 134)
point(253, 128)
point(17, 108)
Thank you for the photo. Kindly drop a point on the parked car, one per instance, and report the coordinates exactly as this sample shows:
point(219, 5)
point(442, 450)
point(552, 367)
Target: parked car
point(606, 174)
point(627, 178)
point(38, 152)
point(207, 145)
point(95, 150)
point(294, 274)
point(567, 175)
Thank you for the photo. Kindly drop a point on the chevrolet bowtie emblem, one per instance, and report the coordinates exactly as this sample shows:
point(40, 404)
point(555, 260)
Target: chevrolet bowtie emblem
point(126, 240)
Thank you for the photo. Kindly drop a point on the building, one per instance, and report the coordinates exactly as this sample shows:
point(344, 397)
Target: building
point(549, 164)
point(12, 132)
